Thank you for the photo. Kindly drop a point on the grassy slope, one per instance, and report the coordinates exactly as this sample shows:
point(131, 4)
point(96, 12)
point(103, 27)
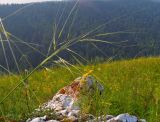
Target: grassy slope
point(130, 86)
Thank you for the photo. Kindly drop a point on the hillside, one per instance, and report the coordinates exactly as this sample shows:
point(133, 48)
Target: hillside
point(130, 86)
point(138, 19)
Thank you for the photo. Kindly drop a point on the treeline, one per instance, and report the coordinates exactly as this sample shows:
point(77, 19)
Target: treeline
point(132, 27)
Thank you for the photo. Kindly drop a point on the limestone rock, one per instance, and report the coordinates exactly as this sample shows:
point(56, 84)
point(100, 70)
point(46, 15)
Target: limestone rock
point(52, 121)
point(123, 118)
point(38, 119)
point(65, 106)
point(142, 120)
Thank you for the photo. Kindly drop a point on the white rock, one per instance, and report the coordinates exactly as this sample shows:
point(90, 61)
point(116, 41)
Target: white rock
point(58, 108)
point(39, 119)
point(63, 112)
point(67, 102)
point(142, 120)
point(108, 117)
point(124, 118)
point(52, 121)
point(74, 113)
point(65, 105)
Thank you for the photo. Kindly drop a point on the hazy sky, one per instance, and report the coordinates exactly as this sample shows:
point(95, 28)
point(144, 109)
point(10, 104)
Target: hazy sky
point(22, 1)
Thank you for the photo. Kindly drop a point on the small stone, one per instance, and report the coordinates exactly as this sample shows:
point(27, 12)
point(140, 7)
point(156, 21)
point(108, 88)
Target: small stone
point(39, 119)
point(101, 118)
point(63, 112)
point(76, 112)
point(123, 118)
point(58, 108)
point(142, 120)
point(109, 117)
point(52, 121)
point(73, 113)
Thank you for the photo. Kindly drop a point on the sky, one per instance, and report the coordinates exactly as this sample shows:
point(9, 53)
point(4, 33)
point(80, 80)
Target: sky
point(23, 1)
point(29, 1)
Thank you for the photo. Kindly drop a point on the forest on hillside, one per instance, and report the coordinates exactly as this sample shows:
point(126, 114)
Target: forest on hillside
point(130, 28)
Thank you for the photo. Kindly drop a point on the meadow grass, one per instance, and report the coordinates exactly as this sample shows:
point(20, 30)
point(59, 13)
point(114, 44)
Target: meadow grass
point(131, 86)
point(57, 46)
